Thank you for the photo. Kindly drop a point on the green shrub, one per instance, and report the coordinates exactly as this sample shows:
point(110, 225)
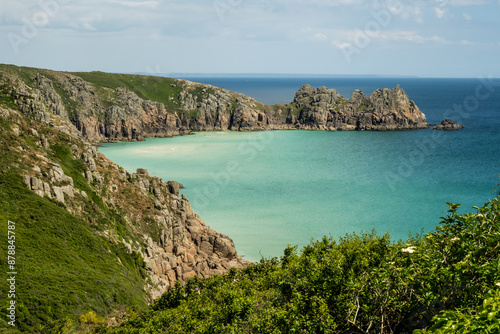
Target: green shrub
point(484, 320)
point(358, 284)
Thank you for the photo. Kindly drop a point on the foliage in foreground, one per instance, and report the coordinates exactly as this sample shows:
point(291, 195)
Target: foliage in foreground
point(359, 284)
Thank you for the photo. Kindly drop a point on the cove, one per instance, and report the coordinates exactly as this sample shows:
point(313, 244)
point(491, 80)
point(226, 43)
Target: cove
point(269, 189)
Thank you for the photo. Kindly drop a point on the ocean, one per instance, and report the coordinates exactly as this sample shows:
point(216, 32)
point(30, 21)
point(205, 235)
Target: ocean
point(267, 190)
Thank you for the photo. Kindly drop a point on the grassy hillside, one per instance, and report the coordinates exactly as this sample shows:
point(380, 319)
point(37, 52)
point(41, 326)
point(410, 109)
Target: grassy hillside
point(152, 88)
point(359, 284)
point(65, 268)
point(82, 223)
point(158, 89)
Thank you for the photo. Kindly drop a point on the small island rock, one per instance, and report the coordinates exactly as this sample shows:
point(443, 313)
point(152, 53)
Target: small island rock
point(448, 125)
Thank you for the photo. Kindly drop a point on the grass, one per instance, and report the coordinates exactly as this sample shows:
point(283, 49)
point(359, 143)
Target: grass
point(290, 108)
point(65, 268)
point(25, 73)
point(364, 108)
point(157, 89)
point(6, 98)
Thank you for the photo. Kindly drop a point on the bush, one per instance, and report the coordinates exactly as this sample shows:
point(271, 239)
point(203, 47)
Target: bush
point(358, 284)
point(485, 320)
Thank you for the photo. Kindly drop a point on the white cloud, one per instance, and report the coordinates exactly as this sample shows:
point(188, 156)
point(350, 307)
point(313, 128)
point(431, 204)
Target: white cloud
point(349, 38)
point(341, 45)
point(320, 37)
point(439, 12)
point(88, 22)
point(409, 36)
point(467, 17)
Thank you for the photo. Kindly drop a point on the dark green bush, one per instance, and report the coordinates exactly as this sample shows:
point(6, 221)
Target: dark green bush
point(358, 284)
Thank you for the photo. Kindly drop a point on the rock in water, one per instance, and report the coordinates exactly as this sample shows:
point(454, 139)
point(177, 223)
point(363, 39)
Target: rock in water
point(448, 125)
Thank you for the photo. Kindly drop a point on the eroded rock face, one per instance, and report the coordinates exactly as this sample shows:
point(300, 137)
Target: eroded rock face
point(385, 109)
point(183, 247)
point(124, 116)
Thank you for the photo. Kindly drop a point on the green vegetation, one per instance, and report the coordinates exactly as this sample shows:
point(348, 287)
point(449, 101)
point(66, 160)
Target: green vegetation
point(6, 98)
point(65, 268)
point(364, 107)
point(194, 113)
point(158, 89)
point(340, 104)
point(359, 284)
point(24, 73)
point(201, 92)
point(290, 108)
point(484, 320)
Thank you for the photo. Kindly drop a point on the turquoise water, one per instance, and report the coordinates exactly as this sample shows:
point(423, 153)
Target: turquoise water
point(269, 189)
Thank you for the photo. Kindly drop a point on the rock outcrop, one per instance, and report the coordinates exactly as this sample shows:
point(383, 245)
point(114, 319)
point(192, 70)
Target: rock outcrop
point(385, 109)
point(156, 220)
point(183, 247)
point(449, 125)
point(102, 114)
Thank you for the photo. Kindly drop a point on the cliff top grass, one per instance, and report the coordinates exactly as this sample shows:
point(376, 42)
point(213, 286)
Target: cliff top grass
point(153, 88)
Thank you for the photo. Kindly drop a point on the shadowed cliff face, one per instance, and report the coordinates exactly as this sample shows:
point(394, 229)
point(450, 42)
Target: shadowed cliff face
point(105, 110)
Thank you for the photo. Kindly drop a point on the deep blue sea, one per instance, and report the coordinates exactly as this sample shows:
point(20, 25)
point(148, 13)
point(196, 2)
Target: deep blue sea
point(269, 189)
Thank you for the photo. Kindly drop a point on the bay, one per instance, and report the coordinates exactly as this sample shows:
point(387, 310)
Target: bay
point(269, 189)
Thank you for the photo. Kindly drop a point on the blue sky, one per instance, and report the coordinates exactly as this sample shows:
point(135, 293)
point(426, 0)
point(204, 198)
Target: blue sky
point(428, 38)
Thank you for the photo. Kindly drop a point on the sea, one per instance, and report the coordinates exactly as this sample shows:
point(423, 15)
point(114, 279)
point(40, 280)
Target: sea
point(267, 190)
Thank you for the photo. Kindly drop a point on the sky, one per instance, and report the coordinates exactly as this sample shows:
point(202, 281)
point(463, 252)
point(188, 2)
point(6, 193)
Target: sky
point(425, 38)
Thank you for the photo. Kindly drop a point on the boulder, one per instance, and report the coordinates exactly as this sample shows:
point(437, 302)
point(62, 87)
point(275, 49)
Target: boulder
point(36, 184)
point(174, 187)
point(142, 171)
point(58, 193)
point(448, 125)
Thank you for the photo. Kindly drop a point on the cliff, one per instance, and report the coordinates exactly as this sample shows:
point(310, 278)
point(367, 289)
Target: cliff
point(116, 107)
point(90, 236)
point(95, 237)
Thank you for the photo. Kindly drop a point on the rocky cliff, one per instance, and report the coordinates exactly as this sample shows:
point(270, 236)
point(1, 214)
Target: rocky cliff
point(51, 122)
point(157, 222)
point(114, 107)
point(384, 109)
point(95, 107)
point(49, 128)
